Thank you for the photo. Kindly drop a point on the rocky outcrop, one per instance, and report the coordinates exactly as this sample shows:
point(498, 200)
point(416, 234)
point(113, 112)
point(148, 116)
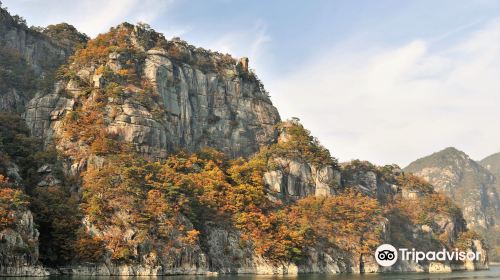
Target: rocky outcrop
point(468, 183)
point(36, 55)
point(19, 248)
point(42, 112)
point(38, 50)
point(372, 180)
point(18, 233)
point(197, 105)
point(227, 255)
point(385, 184)
point(292, 176)
point(294, 179)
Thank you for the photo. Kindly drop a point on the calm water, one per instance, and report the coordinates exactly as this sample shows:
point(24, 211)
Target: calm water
point(493, 273)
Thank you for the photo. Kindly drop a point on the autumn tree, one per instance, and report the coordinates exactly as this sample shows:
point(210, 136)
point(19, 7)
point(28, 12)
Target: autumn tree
point(11, 201)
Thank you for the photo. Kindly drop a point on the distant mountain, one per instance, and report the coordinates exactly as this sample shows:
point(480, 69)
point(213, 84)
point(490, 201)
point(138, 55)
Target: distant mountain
point(467, 182)
point(492, 164)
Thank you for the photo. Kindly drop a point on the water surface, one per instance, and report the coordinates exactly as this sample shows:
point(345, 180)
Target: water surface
point(493, 273)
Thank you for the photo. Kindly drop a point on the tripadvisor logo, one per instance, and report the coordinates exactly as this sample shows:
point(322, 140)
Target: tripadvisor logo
point(387, 255)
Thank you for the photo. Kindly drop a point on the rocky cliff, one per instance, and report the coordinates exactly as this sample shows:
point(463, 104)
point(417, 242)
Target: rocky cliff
point(29, 57)
point(150, 156)
point(162, 96)
point(19, 236)
point(295, 176)
point(19, 246)
point(473, 185)
point(492, 164)
point(468, 183)
point(416, 217)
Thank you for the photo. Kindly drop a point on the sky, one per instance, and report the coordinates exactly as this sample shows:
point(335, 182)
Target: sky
point(384, 81)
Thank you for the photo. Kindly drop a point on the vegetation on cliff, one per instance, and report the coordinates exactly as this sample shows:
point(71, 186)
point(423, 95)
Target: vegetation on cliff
point(55, 210)
point(11, 200)
point(15, 72)
point(471, 185)
point(96, 198)
point(296, 142)
point(170, 203)
point(29, 58)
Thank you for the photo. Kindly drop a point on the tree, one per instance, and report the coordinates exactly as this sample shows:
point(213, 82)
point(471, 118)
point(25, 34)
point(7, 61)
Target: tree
point(349, 221)
point(11, 201)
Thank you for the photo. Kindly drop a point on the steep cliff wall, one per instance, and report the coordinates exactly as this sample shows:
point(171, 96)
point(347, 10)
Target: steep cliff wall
point(297, 170)
point(162, 96)
point(29, 57)
point(124, 184)
point(19, 236)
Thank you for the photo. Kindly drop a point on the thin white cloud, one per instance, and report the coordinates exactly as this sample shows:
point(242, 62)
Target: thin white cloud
point(393, 105)
point(91, 16)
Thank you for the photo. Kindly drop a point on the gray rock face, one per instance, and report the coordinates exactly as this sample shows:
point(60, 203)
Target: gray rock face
point(469, 184)
point(492, 164)
point(366, 178)
point(381, 184)
point(226, 110)
point(19, 248)
point(40, 53)
point(11, 100)
point(42, 113)
point(33, 47)
point(294, 179)
point(226, 255)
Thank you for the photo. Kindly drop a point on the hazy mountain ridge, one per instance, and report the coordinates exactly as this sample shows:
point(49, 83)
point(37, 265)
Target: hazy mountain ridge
point(492, 164)
point(472, 185)
point(467, 182)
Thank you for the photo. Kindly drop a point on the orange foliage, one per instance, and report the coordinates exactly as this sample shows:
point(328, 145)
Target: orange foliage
point(350, 220)
point(11, 200)
point(98, 49)
point(89, 248)
point(160, 198)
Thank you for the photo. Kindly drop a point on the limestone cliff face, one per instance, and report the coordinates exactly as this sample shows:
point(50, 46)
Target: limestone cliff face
point(197, 105)
point(294, 179)
point(19, 237)
point(38, 50)
point(19, 248)
point(370, 179)
point(468, 183)
point(38, 55)
point(164, 95)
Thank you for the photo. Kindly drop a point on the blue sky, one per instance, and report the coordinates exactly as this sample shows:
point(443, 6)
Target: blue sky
point(385, 81)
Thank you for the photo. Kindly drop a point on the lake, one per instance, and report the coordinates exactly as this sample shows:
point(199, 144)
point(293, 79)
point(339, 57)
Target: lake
point(493, 273)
